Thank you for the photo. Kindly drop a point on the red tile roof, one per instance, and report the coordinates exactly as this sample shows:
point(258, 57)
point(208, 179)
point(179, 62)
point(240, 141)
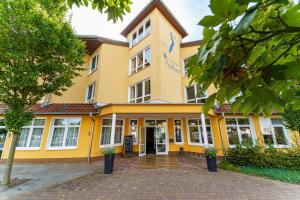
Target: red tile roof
point(226, 108)
point(60, 108)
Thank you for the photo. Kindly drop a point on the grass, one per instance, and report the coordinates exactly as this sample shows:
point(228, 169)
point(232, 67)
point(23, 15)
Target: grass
point(271, 173)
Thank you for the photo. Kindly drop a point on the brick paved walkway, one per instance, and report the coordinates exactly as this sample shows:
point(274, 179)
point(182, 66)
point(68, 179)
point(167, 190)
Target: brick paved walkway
point(168, 178)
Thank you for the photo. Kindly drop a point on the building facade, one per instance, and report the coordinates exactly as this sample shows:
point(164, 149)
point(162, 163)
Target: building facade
point(138, 88)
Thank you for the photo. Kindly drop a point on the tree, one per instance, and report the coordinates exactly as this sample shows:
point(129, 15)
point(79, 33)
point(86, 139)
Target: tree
point(39, 54)
point(291, 119)
point(250, 53)
point(115, 9)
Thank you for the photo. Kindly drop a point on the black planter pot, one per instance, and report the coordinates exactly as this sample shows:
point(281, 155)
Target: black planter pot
point(109, 164)
point(211, 163)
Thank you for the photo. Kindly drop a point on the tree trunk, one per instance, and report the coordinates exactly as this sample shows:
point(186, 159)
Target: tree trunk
point(10, 160)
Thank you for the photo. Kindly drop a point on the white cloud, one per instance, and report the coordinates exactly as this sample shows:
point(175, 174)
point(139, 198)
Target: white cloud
point(87, 21)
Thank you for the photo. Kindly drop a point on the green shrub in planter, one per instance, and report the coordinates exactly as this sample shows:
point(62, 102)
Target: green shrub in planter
point(109, 157)
point(211, 158)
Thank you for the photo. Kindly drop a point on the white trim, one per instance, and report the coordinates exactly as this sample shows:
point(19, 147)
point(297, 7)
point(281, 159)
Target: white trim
point(204, 129)
point(144, 35)
point(137, 130)
point(93, 85)
point(122, 134)
point(238, 126)
point(31, 127)
point(199, 132)
point(181, 128)
point(50, 136)
point(137, 68)
point(134, 100)
point(202, 126)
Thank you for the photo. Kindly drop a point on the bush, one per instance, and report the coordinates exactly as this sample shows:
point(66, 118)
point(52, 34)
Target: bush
point(109, 151)
point(265, 157)
point(210, 152)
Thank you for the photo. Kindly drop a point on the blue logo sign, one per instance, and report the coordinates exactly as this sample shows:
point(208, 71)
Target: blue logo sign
point(172, 43)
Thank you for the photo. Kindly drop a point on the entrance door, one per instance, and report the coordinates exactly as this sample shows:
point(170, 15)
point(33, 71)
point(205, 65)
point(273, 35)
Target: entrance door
point(142, 141)
point(150, 140)
point(161, 140)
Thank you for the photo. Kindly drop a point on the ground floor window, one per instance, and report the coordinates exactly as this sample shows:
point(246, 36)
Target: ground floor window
point(31, 135)
point(274, 132)
point(196, 133)
point(239, 131)
point(106, 132)
point(178, 133)
point(65, 133)
point(3, 133)
point(133, 130)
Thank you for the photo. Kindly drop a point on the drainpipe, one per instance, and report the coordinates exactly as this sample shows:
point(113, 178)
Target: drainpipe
point(91, 137)
point(222, 140)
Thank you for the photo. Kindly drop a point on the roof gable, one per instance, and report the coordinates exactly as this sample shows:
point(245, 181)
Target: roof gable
point(147, 10)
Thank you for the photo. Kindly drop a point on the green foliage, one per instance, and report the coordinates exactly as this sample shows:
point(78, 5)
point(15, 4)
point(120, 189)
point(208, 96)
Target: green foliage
point(271, 173)
point(291, 119)
point(39, 54)
point(109, 151)
point(210, 152)
point(251, 51)
point(115, 9)
point(266, 158)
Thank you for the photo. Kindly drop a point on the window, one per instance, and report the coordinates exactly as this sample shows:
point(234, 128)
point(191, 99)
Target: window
point(196, 133)
point(90, 93)
point(31, 135)
point(140, 61)
point(274, 132)
point(239, 131)
point(106, 132)
point(65, 132)
point(133, 130)
point(194, 96)
point(153, 122)
point(147, 27)
point(141, 33)
point(3, 133)
point(94, 64)
point(140, 92)
point(134, 39)
point(184, 66)
point(178, 133)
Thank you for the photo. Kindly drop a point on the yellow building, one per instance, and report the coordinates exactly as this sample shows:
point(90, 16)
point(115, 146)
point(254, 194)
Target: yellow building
point(137, 88)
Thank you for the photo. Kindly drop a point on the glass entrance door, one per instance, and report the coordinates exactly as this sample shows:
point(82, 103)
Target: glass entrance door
point(142, 141)
point(161, 140)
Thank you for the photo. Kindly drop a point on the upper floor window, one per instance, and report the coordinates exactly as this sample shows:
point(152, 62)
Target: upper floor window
point(141, 32)
point(239, 131)
point(64, 134)
point(31, 135)
point(274, 132)
point(94, 64)
point(90, 93)
point(193, 94)
point(140, 61)
point(140, 92)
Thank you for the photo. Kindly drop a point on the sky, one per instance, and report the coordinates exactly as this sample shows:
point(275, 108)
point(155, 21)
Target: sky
point(87, 21)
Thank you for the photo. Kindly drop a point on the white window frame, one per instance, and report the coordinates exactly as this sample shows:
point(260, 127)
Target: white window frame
point(31, 127)
point(181, 128)
point(271, 126)
point(91, 70)
point(63, 147)
point(137, 130)
point(143, 92)
point(239, 131)
point(93, 85)
point(211, 130)
point(3, 127)
point(122, 136)
point(142, 36)
point(201, 143)
point(196, 95)
point(134, 70)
